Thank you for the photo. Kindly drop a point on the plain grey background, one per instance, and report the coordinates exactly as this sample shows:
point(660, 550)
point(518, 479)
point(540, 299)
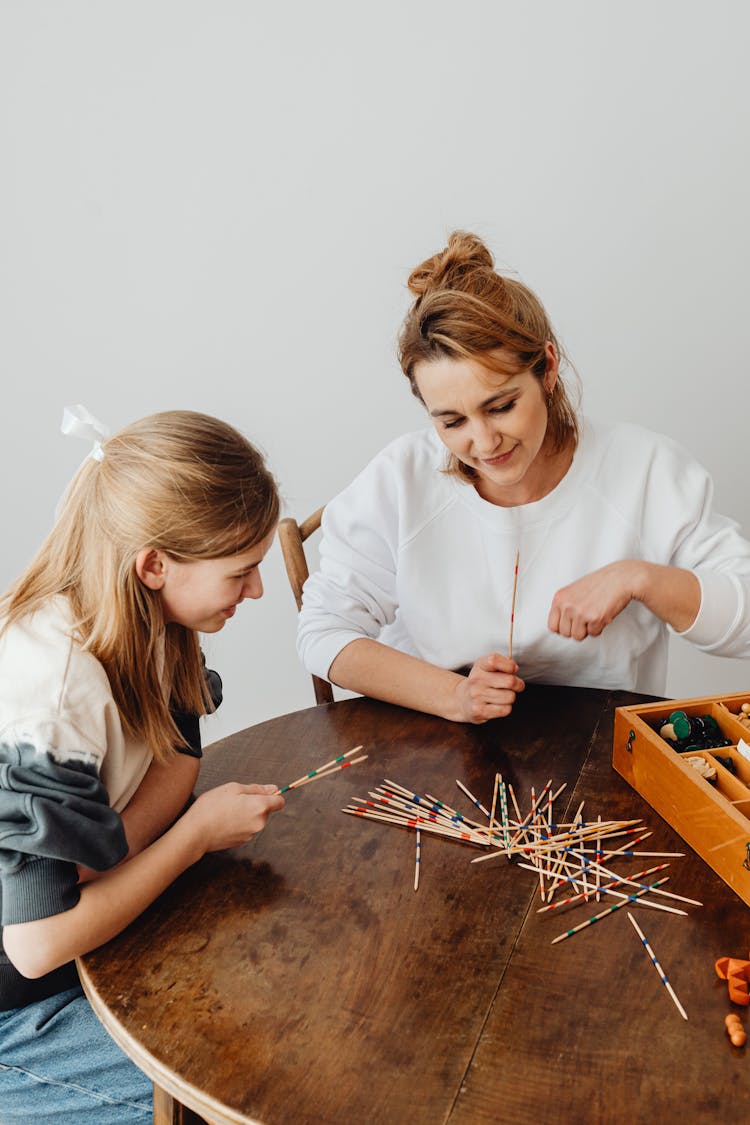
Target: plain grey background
point(216, 205)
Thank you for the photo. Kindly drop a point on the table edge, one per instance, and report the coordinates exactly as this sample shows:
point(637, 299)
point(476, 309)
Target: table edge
point(215, 1112)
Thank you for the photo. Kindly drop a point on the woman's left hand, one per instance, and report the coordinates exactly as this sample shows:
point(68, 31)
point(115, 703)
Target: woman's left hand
point(585, 607)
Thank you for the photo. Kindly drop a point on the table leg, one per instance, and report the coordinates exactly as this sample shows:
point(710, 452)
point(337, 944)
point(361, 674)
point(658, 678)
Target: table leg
point(168, 1111)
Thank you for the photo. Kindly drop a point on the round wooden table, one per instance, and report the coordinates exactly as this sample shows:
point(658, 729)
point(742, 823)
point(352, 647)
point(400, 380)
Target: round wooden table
point(300, 979)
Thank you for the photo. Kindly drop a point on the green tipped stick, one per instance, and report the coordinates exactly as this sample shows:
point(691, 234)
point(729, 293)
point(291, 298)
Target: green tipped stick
point(321, 770)
point(609, 910)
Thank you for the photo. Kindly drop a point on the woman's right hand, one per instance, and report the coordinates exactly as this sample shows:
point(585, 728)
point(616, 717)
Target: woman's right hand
point(229, 815)
point(489, 691)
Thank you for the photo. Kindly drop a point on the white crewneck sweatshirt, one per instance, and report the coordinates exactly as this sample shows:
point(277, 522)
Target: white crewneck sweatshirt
point(415, 558)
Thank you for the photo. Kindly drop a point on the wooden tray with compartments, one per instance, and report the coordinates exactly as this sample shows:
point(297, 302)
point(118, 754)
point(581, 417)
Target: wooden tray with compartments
point(714, 819)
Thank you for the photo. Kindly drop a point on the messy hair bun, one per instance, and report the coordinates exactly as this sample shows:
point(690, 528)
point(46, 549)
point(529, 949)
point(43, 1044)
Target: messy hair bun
point(464, 309)
point(464, 255)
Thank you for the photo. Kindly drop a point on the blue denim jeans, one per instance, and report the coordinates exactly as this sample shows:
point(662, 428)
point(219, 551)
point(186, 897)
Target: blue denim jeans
point(58, 1066)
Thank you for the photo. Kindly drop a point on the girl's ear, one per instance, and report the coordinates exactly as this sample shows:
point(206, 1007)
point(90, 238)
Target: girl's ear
point(149, 566)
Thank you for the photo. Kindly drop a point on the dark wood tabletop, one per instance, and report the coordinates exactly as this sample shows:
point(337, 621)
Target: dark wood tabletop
point(300, 979)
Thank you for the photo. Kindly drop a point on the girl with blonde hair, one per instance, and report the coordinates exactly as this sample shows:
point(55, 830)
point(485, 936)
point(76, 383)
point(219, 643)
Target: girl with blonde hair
point(612, 526)
point(160, 537)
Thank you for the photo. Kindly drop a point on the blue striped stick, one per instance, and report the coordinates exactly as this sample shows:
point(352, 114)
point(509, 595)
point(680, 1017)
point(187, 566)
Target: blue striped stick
point(612, 884)
point(472, 798)
point(418, 860)
point(437, 812)
point(453, 814)
point(657, 966)
point(631, 881)
point(494, 802)
point(609, 889)
point(609, 910)
point(437, 806)
point(534, 802)
point(504, 811)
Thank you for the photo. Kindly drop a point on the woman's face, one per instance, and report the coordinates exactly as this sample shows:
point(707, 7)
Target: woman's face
point(494, 420)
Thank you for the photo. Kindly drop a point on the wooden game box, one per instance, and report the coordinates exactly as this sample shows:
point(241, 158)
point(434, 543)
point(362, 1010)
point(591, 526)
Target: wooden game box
point(713, 819)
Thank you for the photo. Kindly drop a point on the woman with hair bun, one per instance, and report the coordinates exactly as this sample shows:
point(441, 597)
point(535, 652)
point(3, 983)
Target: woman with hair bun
point(613, 525)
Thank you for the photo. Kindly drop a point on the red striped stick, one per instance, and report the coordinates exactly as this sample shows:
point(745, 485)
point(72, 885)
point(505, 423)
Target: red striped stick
point(324, 770)
point(513, 606)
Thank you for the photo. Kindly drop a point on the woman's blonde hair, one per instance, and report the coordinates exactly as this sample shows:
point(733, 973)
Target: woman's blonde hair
point(183, 483)
point(464, 309)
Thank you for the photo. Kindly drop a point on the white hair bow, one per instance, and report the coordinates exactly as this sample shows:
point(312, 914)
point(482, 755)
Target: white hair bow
point(78, 422)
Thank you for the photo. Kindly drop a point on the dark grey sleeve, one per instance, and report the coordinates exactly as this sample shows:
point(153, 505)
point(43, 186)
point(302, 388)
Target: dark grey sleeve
point(188, 724)
point(54, 815)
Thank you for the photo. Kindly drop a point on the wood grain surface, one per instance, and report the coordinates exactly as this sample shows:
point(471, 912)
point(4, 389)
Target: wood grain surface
point(300, 979)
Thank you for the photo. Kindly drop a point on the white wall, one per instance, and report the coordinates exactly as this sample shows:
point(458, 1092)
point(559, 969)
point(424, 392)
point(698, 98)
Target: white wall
point(214, 205)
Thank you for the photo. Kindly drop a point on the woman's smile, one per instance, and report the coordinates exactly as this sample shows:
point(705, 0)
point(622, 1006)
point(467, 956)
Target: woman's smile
point(499, 458)
point(493, 417)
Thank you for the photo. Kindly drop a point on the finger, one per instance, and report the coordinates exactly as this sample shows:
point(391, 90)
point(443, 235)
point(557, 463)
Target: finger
point(494, 682)
point(496, 662)
point(493, 697)
point(492, 711)
point(272, 802)
point(564, 624)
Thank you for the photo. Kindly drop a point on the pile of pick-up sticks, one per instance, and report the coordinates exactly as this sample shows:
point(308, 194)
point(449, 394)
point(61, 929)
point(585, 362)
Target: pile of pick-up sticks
point(574, 855)
point(568, 854)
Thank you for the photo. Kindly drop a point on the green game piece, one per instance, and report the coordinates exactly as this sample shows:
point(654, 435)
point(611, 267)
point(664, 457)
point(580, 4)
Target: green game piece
point(681, 726)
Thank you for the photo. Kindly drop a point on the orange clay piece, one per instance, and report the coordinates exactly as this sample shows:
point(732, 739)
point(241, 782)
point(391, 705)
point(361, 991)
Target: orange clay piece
point(737, 974)
point(735, 1030)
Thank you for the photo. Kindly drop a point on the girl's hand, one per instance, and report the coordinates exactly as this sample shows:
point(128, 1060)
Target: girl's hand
point(489, 691)
point(587, 606)
point(231, 814)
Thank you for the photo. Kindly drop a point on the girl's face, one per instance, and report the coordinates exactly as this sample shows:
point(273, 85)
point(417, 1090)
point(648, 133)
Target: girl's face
point(204, 594)
point(494, 421)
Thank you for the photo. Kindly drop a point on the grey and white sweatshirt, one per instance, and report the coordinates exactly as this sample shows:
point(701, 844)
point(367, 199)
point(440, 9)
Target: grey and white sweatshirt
point(67, 770)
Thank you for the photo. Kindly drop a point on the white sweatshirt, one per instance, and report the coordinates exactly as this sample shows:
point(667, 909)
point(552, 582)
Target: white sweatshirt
point(417, 559)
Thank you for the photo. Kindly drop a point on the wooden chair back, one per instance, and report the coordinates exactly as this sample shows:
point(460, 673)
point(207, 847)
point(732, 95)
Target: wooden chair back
point(292, 536)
